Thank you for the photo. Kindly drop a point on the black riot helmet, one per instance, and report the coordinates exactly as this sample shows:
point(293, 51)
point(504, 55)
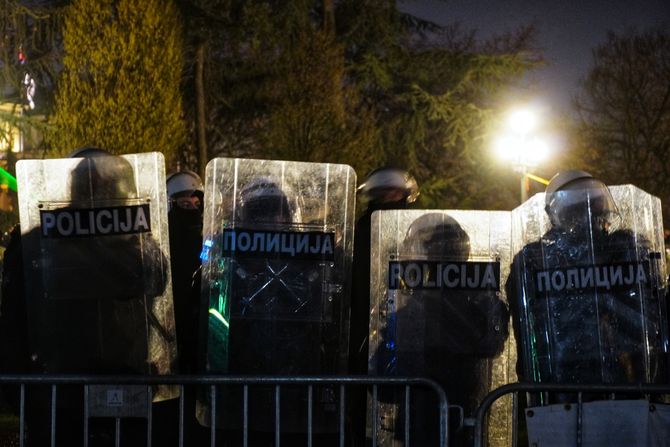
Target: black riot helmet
point(263, 200)
point(574, 200)
point(101, 175)
point(88, 152)
point(439, 235)
point(389, 185)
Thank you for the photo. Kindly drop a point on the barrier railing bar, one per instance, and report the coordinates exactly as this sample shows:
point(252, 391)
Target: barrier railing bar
point(71, 379)
point(245, 423)
point(117, 432)
point(342, 409)
point(580, 414)
point(515, 418)
point(310, 395)
point(22, 412)
point(375, 411)
point(213, 380)
point(53, 415)
point(86, 416)
point(150, 414)
point(487, 402)
point(212, 430)
point(181, 415)
point(407, 416)
point(277, 415)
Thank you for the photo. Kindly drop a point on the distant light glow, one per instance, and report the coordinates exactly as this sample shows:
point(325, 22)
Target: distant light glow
point(519, 143)
point(11, 138)
point(522, 121)
point(508, 147)
point(29, 86)
point(537, 149)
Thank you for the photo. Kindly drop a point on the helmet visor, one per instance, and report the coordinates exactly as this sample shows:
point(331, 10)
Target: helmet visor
point(586, 203)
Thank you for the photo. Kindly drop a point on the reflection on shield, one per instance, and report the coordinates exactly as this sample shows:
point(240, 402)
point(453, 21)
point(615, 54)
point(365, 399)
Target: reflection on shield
point(438, 310)
point(275, 282)
point(96, 268)
point(589, 300)
point(277, 290)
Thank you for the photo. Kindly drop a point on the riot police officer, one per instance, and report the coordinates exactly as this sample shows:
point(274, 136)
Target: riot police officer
point(85, 286)
point(384, 188)
point(585, 294)
point(437, 312)
point(185, 203)
point(276, 269)
point(185, 198)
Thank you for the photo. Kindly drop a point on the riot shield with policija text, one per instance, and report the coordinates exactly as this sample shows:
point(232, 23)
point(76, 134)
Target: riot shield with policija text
point(588, 290)
point(96, 260)
point(276, 266)
point(438, 310)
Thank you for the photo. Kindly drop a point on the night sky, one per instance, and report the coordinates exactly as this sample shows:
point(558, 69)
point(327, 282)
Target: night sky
point(567, 31)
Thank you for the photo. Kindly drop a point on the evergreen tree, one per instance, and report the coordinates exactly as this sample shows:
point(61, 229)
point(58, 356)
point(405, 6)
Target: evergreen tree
point(120, 87)
point(316, 114)
point(435, 92)
point(276, 84)
point(359, 82)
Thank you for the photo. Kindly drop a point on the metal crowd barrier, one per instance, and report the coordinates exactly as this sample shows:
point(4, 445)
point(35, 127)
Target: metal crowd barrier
point(373, 384)
point(480, 420)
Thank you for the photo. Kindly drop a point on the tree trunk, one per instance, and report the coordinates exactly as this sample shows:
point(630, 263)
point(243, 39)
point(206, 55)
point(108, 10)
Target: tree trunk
point(201, 124)
point(329, 17)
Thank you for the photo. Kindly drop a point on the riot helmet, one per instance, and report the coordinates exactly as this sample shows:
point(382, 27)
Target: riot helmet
point(101, 175)
point(263, 200)
point(88, 152)
point(575, 201)
point(185, 190)
point(389, 185)
point(437, 234)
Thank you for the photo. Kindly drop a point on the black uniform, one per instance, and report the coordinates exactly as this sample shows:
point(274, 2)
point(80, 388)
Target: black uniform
point(185, 248)
point(360, 296)
point(284, 320)
point(185, 231)
point(451, 336)
point(360, 315)
point(91, 318)
point(588, 331)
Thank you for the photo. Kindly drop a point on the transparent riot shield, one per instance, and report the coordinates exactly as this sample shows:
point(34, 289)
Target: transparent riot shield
point(276, 266)
point(96, 260)
point(588, 292)
point(438, 310)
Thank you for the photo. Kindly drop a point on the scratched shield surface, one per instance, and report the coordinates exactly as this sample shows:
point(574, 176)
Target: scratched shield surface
point(97, 268)
point(591, 287)
point(276, 271)
point(590, 282)
point(438, 309)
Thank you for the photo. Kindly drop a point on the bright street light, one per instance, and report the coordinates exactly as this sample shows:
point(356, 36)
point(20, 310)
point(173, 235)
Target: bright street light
point(522, 121)
point(520, 146)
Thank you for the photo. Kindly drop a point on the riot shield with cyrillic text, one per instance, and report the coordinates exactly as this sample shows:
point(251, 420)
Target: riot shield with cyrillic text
point(96, 264)
point(587, 291)
point(438, 310)
point(276, 263)
point(589, 287)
